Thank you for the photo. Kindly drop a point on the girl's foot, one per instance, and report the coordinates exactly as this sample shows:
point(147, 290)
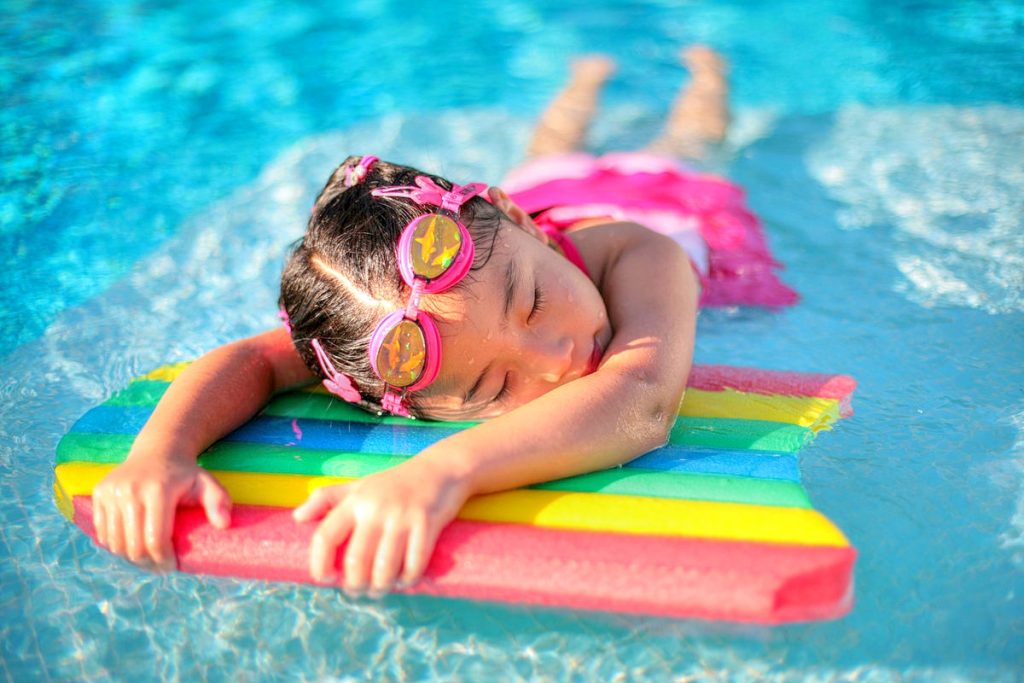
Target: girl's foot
point(700, 115)
point(705, 64)
point(707, 93)
point(563, 125)
point(592, 70)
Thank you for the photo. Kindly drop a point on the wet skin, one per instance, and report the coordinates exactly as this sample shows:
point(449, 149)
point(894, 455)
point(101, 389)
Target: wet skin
point(526, 322)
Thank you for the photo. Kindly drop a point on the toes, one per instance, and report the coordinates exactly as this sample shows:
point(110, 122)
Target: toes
point(703, 58)
point(593, 68)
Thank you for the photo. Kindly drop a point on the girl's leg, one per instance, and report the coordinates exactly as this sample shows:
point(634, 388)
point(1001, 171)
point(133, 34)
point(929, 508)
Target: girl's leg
point(700, 114)
point(564, 124)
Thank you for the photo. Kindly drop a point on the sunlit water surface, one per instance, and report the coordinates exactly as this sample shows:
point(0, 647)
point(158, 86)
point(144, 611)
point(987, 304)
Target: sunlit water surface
point(893, 194)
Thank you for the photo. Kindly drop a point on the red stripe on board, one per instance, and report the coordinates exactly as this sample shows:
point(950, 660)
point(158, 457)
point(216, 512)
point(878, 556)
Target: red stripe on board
point(654, 575)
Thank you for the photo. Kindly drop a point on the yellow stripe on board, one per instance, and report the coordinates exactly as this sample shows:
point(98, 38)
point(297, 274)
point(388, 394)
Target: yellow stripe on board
point(806, 411)
point(556, 509)
point(64, 502)
point(167, 373)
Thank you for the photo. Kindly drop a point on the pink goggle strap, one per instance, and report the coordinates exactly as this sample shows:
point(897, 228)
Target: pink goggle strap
point(285, 320)
point(426, 191)
point(355, 174)
point(335, 382)
point(392, 403)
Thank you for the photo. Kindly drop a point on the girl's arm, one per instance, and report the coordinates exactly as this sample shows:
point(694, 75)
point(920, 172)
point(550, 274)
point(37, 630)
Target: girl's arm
point(134, 505)
point(626, 408)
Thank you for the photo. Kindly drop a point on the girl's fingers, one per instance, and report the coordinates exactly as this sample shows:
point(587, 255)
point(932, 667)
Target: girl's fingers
point(323, 549)
point(158, 530)
point(422, 538)
point(99, 519)
point(319, 503)
point(388, 560)
point(359, 554)
point(214, 499)
point(132, 519)
point(115, 530)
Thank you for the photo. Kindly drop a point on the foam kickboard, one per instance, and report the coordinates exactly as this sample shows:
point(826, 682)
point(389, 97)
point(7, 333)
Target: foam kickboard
point(714, 525)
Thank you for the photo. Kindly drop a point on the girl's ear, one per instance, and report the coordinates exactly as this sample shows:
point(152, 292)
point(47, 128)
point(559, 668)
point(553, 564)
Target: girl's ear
point(502, 201)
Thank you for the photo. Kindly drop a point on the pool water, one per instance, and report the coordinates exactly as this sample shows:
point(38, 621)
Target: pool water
point(158, 158)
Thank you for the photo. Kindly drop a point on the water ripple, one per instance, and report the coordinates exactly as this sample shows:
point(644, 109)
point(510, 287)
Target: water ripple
point(950, 182)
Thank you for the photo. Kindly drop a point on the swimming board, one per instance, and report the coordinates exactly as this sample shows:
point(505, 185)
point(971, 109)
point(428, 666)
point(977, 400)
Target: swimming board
point(714, 525)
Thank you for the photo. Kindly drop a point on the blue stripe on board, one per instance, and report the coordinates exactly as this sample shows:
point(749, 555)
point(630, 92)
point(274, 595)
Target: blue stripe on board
point(362, 437)
point(695, 460)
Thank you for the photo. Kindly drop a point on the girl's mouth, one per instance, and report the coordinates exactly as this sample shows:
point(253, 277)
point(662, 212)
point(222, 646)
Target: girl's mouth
point(595, 357)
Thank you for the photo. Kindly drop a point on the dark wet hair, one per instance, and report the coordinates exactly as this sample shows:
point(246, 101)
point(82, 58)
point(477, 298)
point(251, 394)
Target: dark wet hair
point(342, 277)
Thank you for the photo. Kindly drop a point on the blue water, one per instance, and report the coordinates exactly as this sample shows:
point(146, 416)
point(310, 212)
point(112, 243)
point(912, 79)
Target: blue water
point(158, 157)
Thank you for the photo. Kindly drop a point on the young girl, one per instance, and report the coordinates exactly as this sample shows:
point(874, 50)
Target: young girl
point(570, 335)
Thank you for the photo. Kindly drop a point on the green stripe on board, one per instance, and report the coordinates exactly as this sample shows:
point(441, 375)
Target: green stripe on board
point(141, 392)
point(240, 457)
point(638, 482)
point(731, 434)
point(317, 406)
point(709, 432)
point(98, 448)
point(299, 403)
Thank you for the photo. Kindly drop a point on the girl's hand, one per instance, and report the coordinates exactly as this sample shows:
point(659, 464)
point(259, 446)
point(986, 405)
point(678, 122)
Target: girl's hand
point(391, 520)
point(133, 507)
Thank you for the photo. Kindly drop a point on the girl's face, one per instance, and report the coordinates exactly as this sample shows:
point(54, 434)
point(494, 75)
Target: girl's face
point(526, 322)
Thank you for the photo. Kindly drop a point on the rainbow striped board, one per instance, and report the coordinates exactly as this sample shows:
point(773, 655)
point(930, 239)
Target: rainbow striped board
point(714, 525)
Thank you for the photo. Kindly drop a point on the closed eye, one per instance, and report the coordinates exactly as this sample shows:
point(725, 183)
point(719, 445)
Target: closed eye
point(538, 302)
point(503, 392)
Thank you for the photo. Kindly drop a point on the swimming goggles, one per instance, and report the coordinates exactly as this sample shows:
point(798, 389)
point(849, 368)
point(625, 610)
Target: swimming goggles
point(435, 251)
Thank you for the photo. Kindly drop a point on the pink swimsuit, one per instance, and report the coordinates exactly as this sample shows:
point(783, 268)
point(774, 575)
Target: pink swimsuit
point(564, 246)
point(705, 214)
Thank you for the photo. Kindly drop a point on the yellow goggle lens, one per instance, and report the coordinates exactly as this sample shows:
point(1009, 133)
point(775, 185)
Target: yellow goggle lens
point(402, 355)
point(435, 243)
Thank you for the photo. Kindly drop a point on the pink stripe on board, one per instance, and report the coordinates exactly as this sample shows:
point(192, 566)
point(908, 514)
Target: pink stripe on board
point(653, 575)
point(760, 381)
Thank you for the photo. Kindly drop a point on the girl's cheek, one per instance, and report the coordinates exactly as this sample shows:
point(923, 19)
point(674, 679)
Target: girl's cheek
point(532, 390)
